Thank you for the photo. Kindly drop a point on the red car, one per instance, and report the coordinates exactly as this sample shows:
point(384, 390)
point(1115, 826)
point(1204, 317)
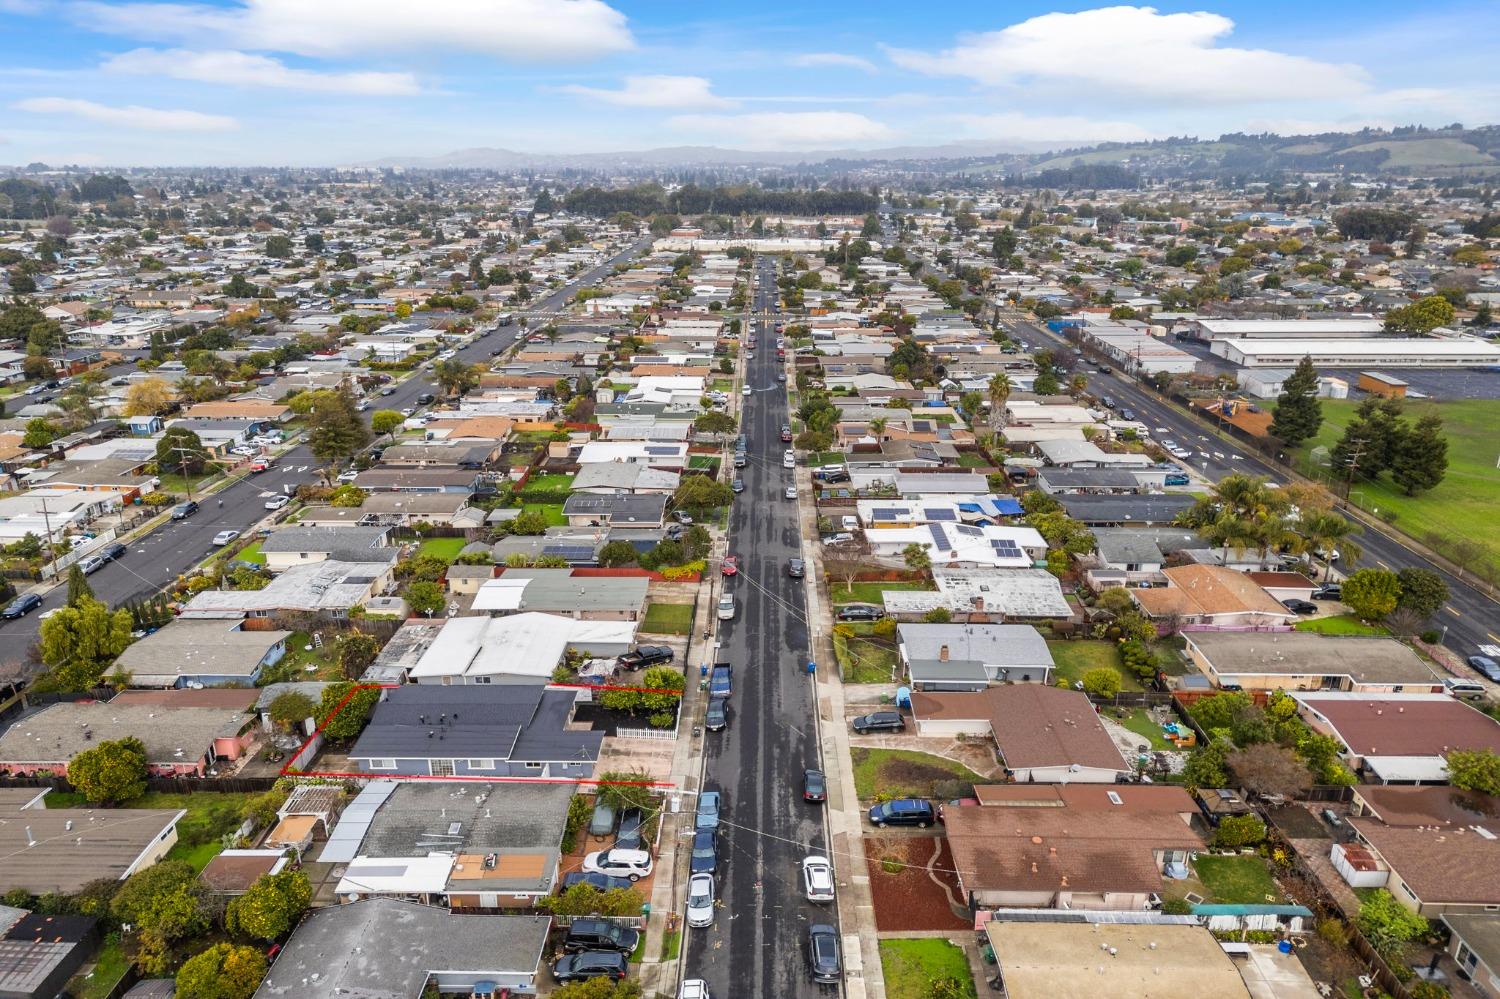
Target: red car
point(730, 565)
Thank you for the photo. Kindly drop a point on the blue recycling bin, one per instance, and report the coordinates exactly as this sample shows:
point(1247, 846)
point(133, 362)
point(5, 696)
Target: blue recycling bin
point(812, 667)
point(703, 670)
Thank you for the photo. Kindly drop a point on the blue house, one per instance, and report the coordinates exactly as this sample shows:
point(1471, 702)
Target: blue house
point(430, 730)
point(147, 425)
point(202, 653)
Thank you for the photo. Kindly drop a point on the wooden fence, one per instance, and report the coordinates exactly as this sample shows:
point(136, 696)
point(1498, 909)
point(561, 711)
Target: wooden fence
point(165, 785)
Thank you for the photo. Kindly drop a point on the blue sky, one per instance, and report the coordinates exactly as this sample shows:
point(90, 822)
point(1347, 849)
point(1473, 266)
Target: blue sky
point(339, 81)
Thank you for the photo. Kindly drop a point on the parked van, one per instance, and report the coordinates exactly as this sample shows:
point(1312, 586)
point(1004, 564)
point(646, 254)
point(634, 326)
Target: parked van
point(1463, 688)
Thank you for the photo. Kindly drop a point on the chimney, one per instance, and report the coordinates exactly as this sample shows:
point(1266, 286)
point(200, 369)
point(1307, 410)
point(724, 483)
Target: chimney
point(30, 839)
point(979, 603)
point(1033, 867)
point(943, 654)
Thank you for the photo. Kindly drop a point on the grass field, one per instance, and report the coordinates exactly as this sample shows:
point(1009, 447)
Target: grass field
point(904, 773)
point(210, 814)
point(668, 619)
point(548, 483)
point(1140, 722)
point(198, 856)
point(1462, 506)
point(553, 512)
point(251, 553)
point(912, 968)
point(1073, 659)
point(1342, 624)
point(1235, 880)
point(869, 593)
point(110, 965)
point(865, 660)
point(446, 549)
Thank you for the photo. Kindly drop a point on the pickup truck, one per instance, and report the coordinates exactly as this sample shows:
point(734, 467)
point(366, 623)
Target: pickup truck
point(720, 680)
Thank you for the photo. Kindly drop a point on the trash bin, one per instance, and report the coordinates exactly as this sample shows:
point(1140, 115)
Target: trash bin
point(812, 667)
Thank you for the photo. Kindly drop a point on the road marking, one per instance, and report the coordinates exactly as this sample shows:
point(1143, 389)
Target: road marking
point(1381, 564)
point(1493, 635)
point(1455, 613)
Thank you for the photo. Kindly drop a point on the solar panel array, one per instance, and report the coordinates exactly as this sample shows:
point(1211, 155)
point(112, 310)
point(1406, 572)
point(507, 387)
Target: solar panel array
point(573, 553)
point(1006, 548)
point(940, 537)
point(887, 513)
point(940, 514)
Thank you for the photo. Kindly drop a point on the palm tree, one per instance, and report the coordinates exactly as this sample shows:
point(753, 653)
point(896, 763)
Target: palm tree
point(1241, 513)
point(999, 392)
point(1326, 531)
point(877, 426)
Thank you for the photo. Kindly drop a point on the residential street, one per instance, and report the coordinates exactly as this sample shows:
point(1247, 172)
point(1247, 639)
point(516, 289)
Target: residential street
point(1471, 618)
point(171, 550)
point(757, 945)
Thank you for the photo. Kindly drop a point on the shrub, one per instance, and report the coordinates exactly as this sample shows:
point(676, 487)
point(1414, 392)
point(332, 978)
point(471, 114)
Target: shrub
point(1236, 831)
point(1102, 682)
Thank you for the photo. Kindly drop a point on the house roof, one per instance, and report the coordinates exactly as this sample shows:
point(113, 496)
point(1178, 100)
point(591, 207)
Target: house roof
point(526, 646)
point(1154, 509)
point(234, 871)
point(1302, 653)
point(368, 542)
point(1433, 806)
point(53, 859)
point(617, 508)
point(560, 591)
point(1209, 590)
point(1441, 865)
point(343, 951)
point(1061, 837)
point(172, 735)
point(990, 644)
point(35, 946)
point(1034, 725)
point(422, 721)
point(1404, 724)
point(331, 584)
point(1480, 931)
point(199, 648)
point(1012, 592)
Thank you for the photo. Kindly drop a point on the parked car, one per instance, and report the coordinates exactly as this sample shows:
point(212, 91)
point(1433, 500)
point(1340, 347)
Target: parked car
point(720, 680)
point(700, 900)
point(879, 721)
point(426, 399)
point(1127, 414)
point(705, 858)
point(1179, 452)
point(790, 492)
point(726, 607)
point(21, 606)
point(631, 864)
point(1300, 606)
point(682, 517)
point(348, 475)
point(591, 964)
point(730, 566)
point(602, 822)
point(599, 934)
point(262, 465)
point(746, 390)
point(786, 433)
point(1108, 401)
point(716, 717)
point(602, 882)
point(860, 612)
point(277, 502)
point(709, 805)
point(1483, 665)
point(823, 962)
point(903, 812)
point(795, 568)
point(738, 485)
point(1329, 591)
point(789, 459)
point(184, 510)
point(740, 461)
point(629, 836)
point(112, 551)
point(817, 879)
point(643, 656)
point(225, 537)
point(814, 785)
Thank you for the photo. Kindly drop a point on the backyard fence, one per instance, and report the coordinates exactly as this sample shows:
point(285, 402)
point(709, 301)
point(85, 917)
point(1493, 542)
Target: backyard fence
point(165, 785)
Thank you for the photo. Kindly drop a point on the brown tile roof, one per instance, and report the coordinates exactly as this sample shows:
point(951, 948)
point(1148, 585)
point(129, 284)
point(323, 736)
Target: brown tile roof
point(1395, 805)
point(1288, 580)
point(1043, 843)
point(1407, 726)
point(1034, 725)
point(1457, 865)
point(235, 873)
point(1208, 589)
point(245, 408)
point(485, 427)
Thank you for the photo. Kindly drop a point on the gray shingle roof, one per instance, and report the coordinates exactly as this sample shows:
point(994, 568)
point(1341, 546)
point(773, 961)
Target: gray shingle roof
point(474, 722)
point(991, 644)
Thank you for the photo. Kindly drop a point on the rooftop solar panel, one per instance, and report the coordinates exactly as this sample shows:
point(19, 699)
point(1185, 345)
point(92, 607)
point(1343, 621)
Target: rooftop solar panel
point(939, 536)
point(887, 512)
point(1006, 549)
point(941, 514)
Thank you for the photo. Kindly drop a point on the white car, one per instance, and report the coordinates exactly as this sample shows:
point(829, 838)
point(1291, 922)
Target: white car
point(700, 900)
point(244, 451)
point(746, 390)
point(277, 502)
point(789, 459)
point(225, 537)
point(693, 988)
point(620, 863)
point(791, 492)
point(1179, 452)
point(348, 476)
point(817, 879)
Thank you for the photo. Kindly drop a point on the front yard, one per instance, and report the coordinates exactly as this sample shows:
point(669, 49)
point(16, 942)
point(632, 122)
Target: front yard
point(869, 593)
point(914, 969)
point(907, 773)
point(1073, 659)
point(863, 658)
point(1342, 624)
point(668, 619)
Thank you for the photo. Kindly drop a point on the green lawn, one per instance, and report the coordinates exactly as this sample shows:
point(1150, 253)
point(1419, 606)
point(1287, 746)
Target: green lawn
point(294, 664)
point(1073, 659)
point(110, 965)
point(1235, 880)
point(863, 659)
point(210, 814)
point(553, 512)
point(1462, 506)
point(549, 483)
point(904, 773)
point(826, 458)
point(177, 485)
point(968, 459)
point(251, 553)
point(1343, 624)
point(913, 967)
point(446, 549)
point(668, 619)
point(671, 942)
point(869, 593)
point(1139, 721)
point(198, 855)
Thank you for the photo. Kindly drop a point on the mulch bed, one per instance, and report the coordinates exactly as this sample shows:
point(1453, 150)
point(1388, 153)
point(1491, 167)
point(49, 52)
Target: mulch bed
point(908, 900)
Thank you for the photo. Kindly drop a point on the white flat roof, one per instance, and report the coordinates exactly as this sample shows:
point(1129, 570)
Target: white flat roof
point(396, 875)
point(1374, 347)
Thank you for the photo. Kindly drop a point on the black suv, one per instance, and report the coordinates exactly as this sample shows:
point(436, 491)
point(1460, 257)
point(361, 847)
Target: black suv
point(823, 954)
point(716, 719)
point(903, 812)
point(629, 836)
point(645, 655)
point(591, 964)
point(879, 721)
point(600, 934)
point(860, 612)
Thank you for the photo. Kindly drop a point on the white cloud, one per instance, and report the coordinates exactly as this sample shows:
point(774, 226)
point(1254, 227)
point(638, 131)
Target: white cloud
point(242, 69)
point(1136, 52)
point(523, 30)
point(131, 116)
point(818, 59)
point(22, 7)
point(784, 129)
point(1049, 128)
point(656, 92)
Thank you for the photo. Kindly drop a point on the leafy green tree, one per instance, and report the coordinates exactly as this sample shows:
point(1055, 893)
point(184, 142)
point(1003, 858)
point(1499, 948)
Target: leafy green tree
point(1299, 412)
point(662, 678)
point(346, 723)
point(223, 971)
point(1368, 443)
point(1101, 682)
point(278, 246)
point(1218, 711)
point(618, 553)
point(1236, 831)
point(1386, 923)
point(1423, 591)
point(1420, 458)
point(270, 907)
point(529, 523)
point(1372, 593)
point(78, 586)
point(386, 421)
point(79, 642)
point(426, 598)
point(715, 423)
point(586, 900)
point(700, 492)
point(40, 432)
point(1474, 770)
point(599, 988)
point(291, 708)
point(181, 451)
point(1205, 768)
point(357, 651)
point(165, 903)
point(335, 429)
point(455, 377)
point(1420, 317)
point(916, 557)
point(111, 772)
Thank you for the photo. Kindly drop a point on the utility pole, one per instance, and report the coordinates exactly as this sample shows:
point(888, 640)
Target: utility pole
point(47, 525)
point(1358, 445)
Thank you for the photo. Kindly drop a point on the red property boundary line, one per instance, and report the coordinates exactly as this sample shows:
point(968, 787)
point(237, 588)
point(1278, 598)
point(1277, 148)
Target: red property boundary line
point(286, 769)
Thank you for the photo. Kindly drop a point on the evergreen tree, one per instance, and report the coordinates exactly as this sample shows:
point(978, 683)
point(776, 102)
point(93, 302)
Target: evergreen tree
point(79, 589)
point(1420, 459)
point(1369, 441)
point(1299, 412)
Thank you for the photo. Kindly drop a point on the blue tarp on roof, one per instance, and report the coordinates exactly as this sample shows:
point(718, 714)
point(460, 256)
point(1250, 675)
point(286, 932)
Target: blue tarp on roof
point(994, 506)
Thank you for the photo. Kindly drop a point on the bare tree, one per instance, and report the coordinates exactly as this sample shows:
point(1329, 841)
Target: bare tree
point(1269, 769)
